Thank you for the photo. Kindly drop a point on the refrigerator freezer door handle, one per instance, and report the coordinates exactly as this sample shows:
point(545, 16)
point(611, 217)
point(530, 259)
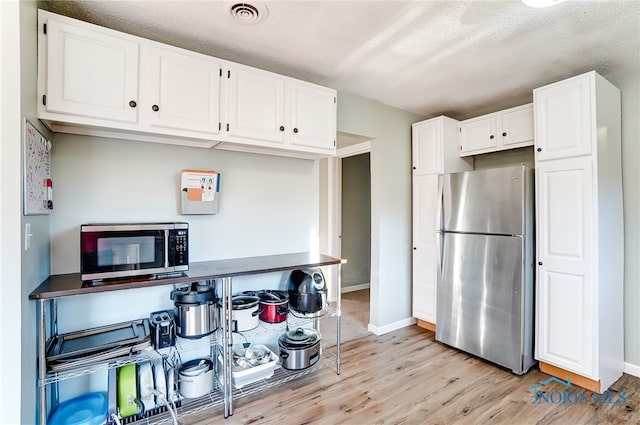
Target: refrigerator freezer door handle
point(439, 204)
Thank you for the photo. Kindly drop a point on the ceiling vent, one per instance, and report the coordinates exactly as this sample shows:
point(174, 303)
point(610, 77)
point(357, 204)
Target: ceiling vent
point(248, 13)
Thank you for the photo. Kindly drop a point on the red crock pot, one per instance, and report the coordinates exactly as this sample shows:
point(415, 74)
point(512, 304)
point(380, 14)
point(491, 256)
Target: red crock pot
point(274, 305)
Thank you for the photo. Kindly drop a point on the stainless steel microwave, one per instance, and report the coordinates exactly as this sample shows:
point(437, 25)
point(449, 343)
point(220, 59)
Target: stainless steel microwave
point(133, 249)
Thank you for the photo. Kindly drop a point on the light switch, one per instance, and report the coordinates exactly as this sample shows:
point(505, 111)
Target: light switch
point(27, 236)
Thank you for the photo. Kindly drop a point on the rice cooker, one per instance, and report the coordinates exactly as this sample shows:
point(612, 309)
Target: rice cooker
point(299, 348)
point(307, 291)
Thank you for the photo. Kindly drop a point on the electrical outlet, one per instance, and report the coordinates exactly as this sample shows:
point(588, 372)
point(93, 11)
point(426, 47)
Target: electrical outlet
point(27, 236)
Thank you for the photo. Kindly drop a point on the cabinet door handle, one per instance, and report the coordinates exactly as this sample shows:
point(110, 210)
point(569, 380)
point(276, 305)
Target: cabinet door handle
point(491, 137)
point(414, 248)
point(539, 263)
point(133, 103)
point(414, 168)
point(282, 128)
point(539, 149)
point(504, 134)
point(295, 130)
point(155, 108)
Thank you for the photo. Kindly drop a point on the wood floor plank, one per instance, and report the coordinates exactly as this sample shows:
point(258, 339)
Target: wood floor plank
point(406, 377)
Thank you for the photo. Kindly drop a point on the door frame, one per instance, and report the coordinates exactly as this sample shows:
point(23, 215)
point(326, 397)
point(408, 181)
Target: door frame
point(334, 198)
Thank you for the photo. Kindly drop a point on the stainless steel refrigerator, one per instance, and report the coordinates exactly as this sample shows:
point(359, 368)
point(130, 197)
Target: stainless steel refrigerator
point(485, 275)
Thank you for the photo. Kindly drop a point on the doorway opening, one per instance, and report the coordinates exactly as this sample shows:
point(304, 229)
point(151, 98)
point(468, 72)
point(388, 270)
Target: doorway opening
point(348, 230)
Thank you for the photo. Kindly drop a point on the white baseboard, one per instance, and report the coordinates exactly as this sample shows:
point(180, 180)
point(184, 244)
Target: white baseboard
point(381, 330)
point(355, 287)
point(629, 368)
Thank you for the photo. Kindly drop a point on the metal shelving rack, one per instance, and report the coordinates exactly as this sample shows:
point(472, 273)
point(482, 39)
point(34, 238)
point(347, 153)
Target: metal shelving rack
point(59, 286)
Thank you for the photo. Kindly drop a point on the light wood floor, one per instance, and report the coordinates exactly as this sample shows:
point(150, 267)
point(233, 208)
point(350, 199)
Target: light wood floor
point(406, 377)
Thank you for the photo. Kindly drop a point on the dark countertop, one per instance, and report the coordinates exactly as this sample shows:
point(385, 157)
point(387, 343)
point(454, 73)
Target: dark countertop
point(64, 285)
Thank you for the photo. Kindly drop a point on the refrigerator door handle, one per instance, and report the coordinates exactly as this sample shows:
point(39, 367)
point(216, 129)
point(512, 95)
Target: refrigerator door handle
point(439, 235)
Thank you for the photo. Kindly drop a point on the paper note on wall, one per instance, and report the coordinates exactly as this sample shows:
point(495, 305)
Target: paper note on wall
point(199, 188)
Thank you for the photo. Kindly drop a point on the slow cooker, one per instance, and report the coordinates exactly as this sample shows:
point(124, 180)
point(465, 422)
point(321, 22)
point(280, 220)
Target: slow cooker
point(274, 305)
point(299, 348)
point(245, 314)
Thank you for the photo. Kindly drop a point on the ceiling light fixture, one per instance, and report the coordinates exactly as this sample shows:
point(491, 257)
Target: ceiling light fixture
point(248, 13)
point(541, 3)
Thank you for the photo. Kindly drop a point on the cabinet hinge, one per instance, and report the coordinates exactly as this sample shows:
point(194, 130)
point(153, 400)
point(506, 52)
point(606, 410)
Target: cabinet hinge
point(44, 99)
point(460, 147)
point(44, 27)
point(227, 126)
point(229, 74)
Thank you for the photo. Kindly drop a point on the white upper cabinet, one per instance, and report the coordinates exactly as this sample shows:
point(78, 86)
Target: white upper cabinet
point(312, 116)
point(478, 135)
point(434, 146)
point(269, 108)
point(508, 129)
point(517, 127)
point(181, 91)
point(427, 147)
point(564, 114)
point(255, 105)
point(100, 82)
point(90, 74)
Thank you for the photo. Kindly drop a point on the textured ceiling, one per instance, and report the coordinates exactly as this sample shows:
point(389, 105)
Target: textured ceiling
point(457, 58)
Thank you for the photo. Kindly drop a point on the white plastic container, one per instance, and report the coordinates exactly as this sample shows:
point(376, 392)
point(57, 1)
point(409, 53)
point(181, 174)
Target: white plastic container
point(240, 378)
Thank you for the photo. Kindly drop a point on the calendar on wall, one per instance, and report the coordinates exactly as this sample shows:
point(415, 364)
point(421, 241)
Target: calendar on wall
point(38, 187)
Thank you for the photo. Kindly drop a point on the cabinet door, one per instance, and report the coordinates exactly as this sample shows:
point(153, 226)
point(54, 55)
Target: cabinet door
point(563, 123)
point(256, 105)
point(425, 246)
point(312, 120)
point(91, 73)
point(183, 91)
point(478, 135)
point(517, 127)
point(427, 147)
point(565, 292)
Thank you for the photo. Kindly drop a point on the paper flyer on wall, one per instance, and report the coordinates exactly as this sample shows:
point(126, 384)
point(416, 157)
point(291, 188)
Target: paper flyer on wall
point(199, 191)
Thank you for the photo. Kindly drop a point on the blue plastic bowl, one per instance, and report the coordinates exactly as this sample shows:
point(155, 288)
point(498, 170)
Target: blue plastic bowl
point(87, 409)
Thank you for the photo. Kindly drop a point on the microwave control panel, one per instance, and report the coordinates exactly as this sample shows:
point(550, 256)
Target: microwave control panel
point(181, 252)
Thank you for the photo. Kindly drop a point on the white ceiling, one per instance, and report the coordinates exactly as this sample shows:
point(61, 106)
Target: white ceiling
point(457, 58)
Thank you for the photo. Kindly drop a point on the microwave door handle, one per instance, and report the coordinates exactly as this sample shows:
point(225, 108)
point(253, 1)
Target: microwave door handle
point(166, 249)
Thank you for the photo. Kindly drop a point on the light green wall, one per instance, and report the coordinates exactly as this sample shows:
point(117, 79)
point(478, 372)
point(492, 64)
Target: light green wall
point(390, 130)
point(356, 220)
point(629, 84)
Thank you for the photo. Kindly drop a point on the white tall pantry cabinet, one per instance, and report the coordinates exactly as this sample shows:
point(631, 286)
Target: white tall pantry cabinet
point(434, 152)
point(579, 226)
